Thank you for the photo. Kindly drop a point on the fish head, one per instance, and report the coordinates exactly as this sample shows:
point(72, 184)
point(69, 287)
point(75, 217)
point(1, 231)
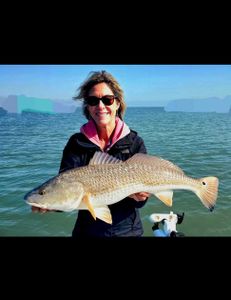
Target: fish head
point(56, 194)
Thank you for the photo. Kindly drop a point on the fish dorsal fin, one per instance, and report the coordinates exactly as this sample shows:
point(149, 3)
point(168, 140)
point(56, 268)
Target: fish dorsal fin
point(155, 160)
point(100, 158)
point(165, 196)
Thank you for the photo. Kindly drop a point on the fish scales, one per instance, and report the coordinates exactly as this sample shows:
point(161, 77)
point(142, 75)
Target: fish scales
point(107, 177)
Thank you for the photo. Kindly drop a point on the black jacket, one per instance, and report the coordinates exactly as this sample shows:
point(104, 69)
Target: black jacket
point(125, 215)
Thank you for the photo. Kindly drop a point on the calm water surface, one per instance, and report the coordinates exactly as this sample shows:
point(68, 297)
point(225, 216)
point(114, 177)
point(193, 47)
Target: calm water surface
point(31, 149)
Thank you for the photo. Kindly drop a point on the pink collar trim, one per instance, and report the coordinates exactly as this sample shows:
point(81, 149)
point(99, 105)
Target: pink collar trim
point(90, 131)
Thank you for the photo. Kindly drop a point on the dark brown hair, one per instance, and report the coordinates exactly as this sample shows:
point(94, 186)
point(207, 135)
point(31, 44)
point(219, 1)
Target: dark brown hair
point(99, 77)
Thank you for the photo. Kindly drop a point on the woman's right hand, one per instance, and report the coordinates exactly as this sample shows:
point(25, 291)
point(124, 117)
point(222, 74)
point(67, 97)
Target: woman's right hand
point(42, 210)
point(38, 209)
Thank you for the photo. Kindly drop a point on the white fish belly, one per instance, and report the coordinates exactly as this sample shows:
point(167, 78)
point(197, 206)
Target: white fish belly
point(117, 195)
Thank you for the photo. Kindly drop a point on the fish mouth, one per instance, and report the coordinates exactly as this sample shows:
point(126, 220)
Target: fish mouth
point(32, 196)
point(35, 193)
point(27, 196)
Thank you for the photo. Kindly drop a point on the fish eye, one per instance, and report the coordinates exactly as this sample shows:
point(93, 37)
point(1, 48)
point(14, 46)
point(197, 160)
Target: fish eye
point(41, 192)
point(203, 183)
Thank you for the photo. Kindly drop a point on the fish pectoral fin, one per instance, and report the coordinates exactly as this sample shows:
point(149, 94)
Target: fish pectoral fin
point(103, 213)
point(165, 197)
point(87, 201)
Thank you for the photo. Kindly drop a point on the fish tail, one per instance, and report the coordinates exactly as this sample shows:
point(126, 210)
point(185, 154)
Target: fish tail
point(208, 191)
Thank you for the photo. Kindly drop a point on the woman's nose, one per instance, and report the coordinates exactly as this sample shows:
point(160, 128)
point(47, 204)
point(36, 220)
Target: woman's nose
point(101, 104)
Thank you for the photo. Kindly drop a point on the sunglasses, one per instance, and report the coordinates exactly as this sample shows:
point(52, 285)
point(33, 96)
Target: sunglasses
point(93, 100)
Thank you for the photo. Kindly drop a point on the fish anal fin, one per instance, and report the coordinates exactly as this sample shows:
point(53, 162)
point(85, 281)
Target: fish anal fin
point(165, 196)
point(103, 213)
point(87, 201)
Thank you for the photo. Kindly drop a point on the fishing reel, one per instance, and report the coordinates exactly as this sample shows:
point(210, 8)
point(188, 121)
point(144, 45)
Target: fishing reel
point(165, 224)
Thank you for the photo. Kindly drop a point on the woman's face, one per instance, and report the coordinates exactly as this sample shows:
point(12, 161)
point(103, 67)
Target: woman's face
point(102, 114)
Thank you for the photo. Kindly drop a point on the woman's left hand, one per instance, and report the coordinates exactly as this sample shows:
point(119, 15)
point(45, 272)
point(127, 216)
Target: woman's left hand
point(142, 196)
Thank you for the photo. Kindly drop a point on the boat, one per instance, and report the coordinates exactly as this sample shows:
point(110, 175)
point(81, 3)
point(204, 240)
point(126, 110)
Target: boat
point(165, 224)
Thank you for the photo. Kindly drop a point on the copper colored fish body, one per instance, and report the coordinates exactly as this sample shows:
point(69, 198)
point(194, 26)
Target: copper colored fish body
point(107, 180)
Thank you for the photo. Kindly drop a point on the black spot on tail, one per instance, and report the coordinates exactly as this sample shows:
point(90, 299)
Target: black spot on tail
point(211, 208)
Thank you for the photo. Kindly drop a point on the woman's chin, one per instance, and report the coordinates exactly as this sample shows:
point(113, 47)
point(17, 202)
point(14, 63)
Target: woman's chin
point(103, 121)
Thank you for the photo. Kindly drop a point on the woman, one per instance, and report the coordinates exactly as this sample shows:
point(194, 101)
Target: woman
point(104, 107)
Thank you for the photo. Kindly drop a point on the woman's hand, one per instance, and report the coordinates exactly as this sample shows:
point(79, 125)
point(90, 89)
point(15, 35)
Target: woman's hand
point(38, 209)
point(142, 196)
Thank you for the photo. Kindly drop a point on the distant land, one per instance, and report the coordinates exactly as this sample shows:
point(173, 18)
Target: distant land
point(2, 111)
point(212, 104)
point(24, 104)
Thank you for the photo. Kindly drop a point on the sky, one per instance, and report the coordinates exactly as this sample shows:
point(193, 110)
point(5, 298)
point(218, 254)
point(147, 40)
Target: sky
point(148, 85)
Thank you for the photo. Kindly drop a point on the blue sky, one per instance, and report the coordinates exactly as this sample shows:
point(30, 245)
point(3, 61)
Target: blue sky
point(142, 84)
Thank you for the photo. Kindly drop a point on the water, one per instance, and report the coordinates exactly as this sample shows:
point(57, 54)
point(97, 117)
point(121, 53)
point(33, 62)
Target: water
point(31, 149)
